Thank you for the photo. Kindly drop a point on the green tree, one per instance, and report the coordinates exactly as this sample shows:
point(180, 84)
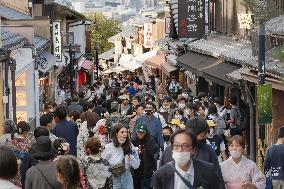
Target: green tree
point(263, 10)
point(102, 29)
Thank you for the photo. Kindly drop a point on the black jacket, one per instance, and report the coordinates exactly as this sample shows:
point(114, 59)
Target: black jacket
point(148, 162)
point(205, 153)
point(204, 175)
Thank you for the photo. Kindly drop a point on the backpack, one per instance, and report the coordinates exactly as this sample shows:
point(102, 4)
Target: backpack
point(220, 121)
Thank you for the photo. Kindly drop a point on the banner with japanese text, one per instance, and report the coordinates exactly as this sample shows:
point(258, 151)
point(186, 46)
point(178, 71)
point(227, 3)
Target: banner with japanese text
point(264, 104)
point(57, 43)
point(191, 18)
point(148, 35)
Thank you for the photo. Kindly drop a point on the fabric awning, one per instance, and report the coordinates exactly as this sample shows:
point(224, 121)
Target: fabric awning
point(167, 68)
point(45, 61)
point(88, 65)
point(128, 62)
point(208, 67)
point(156, 61)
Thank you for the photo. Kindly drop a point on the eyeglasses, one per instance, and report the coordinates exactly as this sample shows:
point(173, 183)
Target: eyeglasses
point(183, 146)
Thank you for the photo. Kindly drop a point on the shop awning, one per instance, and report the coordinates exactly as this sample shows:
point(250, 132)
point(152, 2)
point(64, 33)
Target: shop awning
point(88, 65)
point(128, 62)
point(45, 61)
point(23, 60)
point(156, 61)
point(208, 67)
point(167, 68)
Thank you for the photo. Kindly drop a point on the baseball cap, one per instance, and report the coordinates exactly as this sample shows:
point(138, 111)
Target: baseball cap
point(141, 127)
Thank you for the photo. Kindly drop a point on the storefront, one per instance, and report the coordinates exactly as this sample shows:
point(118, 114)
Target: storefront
point(27, 94)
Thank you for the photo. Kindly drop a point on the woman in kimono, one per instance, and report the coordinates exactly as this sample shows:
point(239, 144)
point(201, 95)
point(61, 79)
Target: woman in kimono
point(240, 172)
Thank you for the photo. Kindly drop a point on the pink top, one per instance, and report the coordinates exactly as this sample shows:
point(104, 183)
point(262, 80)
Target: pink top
point(245, 171)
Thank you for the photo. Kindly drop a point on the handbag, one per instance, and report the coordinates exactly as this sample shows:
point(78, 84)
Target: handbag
point(118, 169)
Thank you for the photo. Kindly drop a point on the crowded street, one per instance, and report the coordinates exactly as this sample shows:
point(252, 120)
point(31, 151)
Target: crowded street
point(141, 94)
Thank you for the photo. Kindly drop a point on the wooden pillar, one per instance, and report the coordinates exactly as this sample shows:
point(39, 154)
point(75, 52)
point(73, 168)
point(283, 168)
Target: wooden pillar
point(182, 79)
point(1, 104)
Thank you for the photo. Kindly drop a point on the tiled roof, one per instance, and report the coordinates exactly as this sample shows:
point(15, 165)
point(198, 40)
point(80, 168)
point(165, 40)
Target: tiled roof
point(107, 55)
point(275, 25)
point(234, 50)
point(10, 39)
point(12, 14)
point(40, 43)
point(138, 20)
point(126, 32)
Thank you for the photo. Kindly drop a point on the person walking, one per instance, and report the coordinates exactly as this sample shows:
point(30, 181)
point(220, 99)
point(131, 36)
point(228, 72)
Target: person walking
point(238, 171)
point(147, 150)
point(185, 171)
point(121, 155)
point(96, 170)
point(43, 174)
point(9, 129)
point(154, 125)
point(274, 161)
point(8, 167)
point(46, 120)
point(66, 129)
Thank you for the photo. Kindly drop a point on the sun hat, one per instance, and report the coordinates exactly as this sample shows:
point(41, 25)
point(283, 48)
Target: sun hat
point(43, 148)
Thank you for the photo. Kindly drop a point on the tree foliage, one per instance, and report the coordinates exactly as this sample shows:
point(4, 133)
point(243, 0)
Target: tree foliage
point(263, 10)
point(102, 29)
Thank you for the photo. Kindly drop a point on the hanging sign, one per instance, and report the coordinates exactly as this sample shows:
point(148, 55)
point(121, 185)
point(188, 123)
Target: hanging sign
point(191, 18)
point(167, 25)
point(21, 98)
point(264, 104)
point(148, 35)
point(245, 21)
point(57, 44)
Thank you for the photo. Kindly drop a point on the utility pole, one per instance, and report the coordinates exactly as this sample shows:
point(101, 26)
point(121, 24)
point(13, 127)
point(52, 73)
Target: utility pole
point(13, 78)
point(71, 70)
point(97, 58)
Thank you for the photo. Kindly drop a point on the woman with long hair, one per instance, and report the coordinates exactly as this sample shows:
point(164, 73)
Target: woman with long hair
point(121, 155)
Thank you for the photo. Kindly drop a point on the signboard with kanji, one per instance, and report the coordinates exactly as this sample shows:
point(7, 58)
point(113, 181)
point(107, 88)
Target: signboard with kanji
point(57, 45)
point(167, 25)
point(191, 18)
point(245, 21)
point(264, 104)
point(148, 35)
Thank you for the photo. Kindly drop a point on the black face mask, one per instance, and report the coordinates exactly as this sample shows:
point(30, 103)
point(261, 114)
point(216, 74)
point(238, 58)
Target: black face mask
point(166, 138)
point(149, 112)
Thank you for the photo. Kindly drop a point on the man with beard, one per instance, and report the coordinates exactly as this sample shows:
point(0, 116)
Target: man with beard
point(154, 125)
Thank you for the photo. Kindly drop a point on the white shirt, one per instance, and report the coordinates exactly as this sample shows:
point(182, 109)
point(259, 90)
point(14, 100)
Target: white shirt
point(189, 175)
point(115, 156)
point(4, 184)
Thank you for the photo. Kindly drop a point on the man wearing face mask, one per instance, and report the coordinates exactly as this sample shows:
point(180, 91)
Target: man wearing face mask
point(190, 111)
point(166, 110)
point(185, 172)
point(154, 125)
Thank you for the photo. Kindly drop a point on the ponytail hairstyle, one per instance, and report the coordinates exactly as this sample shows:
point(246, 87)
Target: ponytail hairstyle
point(68, 168)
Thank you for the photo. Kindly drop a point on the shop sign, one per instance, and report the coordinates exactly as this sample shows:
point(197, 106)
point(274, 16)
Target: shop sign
point(117, 47)
point(167, 25)
point(22, 116)
point(245, 21)
point(21, 98)
point(148, 35)
point(21, 81)
point(264, 104)
point(191, 18)
point(57, 44)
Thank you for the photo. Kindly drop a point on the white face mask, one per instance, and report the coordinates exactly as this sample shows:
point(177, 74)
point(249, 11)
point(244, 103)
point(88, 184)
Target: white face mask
point(235, 153)
point(181, 105)
point(181, 158)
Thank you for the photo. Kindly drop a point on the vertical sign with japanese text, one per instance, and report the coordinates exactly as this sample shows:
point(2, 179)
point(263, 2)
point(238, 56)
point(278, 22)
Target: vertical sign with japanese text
point(57, 44)
point(191, 18)
point(167, 25)
point(148, 35)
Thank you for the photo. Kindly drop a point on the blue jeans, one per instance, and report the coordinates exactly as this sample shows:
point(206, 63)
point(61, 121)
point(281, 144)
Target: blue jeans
point(125, 181)
point(142, 182)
